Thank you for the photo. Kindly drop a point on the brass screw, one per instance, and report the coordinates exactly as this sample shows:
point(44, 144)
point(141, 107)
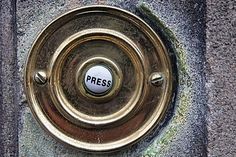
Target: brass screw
point(40, 77)
point(156, 78)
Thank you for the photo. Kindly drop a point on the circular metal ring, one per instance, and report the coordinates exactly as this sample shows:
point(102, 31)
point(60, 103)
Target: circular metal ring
point(136, 104)
point(60, 99)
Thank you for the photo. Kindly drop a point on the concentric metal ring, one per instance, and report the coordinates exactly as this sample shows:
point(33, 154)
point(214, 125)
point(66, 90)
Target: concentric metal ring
point(55, 67)
point(134, 106)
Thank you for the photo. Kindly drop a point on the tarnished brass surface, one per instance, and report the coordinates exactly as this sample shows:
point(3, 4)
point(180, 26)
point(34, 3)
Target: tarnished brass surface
point(85, 37)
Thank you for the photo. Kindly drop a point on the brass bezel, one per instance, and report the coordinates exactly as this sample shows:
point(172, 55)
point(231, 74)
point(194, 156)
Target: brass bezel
point(36, 104)
point(60, 100)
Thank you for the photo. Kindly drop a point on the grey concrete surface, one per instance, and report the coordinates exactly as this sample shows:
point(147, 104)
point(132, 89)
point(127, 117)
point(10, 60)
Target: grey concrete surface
point(206, 63)
point(221, 77)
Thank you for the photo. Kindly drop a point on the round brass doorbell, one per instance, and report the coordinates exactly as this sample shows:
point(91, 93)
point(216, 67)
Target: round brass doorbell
point(98, 78)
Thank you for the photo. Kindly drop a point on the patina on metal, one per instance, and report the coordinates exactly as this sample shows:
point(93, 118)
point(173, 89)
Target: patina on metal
point(98, 35)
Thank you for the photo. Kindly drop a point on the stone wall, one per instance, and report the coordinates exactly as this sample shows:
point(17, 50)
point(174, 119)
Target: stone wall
point(203, 121)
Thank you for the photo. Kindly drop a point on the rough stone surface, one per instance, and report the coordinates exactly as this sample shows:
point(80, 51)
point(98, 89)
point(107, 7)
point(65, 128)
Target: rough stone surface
point(221, 77)
point(8, 80)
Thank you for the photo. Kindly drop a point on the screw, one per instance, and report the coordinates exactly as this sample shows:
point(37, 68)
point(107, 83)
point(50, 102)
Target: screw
point(156, 78)
point(40, 77)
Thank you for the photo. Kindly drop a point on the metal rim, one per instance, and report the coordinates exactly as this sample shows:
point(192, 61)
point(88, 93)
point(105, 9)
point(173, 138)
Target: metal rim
point(63, 104)
point(150, 123)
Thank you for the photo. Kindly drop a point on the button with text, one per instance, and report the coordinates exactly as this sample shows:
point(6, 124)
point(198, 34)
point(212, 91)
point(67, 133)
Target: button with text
point(98, 79)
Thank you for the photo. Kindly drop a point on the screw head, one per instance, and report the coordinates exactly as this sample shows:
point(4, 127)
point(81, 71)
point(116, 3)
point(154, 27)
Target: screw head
point(156, 78)
point(40, 77)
